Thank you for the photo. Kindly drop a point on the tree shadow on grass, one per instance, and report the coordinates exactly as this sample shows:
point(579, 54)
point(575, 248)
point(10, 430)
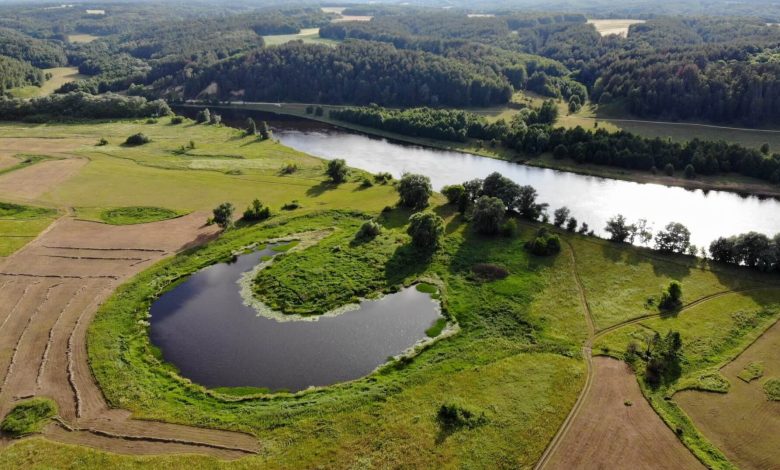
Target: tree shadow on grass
point(406, 262)
point(395, 218)
point(320, 188)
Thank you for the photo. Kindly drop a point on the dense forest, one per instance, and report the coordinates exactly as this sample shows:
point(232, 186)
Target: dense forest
point(357, 72)
point(15, 73)
point(42, 54)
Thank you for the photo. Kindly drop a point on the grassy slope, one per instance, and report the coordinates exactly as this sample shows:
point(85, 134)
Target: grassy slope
point(60, 76)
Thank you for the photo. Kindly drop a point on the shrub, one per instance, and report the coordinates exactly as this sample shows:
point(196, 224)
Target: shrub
point(488, 215)
point(425, 228)
point(223, 215)
point(102, 142)
point(669, 169)
point(366, 183)
point(544, 244)
point(414, 191)
point(560, 152)
point(256, 212)
point(310, 109)
point(671, 299)
point(319, 111)
point(291, 206)
point(137, 139)
point(288, 168)
point(383, 178)
point(337, 170)
point(489, 271)
point(203, 117)
point(690, 172)
point(772, 389)
point(454, 193)
point(452, 416)
point(509, 228)
point(177, 120)
point(368, 231)
point(571, 224)
point(28, 417)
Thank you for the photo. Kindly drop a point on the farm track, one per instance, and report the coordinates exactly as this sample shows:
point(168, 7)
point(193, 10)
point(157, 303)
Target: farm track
point(597, 412)
point(49, 293)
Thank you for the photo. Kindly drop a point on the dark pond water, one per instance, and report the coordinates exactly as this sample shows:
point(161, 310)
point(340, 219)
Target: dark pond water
point(708, 214)
point(203, 327)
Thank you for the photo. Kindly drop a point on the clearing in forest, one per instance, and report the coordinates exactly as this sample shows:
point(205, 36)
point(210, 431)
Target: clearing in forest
point(616, 26)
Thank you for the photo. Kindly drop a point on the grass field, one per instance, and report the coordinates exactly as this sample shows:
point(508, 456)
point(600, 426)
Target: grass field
point(60, 76)
point(20, 224)
point(81, 38)
point(309, 36)
point(516, 357)
point(613, 26)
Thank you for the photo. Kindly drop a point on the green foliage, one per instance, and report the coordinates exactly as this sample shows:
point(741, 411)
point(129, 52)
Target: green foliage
point(488, 215)
point(337, 170)
point(454, 193)
point(28, 417)
point(671, 299)
point(82, 105)
point(709, 381)
point(102, 142)
point(175, 120)
point(223, 215)
point(256, 212)
point(437, 327)
point(452, 416)
point(663, 358)
point(368, 231)
point(544, 243)
point(509, 228)
point(137, 139)
point(690, 171)
point(751, 372)
point(425, 228)
point(489, 271)
point(251, 127)
point(136, 215)
point(414, 191)
point(772, 389)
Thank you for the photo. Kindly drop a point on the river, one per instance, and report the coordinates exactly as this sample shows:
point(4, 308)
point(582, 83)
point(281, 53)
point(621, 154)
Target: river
point(707, 214)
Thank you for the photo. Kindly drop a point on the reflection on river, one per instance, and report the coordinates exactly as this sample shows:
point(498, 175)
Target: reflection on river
point(203, 327)
point(708, 214)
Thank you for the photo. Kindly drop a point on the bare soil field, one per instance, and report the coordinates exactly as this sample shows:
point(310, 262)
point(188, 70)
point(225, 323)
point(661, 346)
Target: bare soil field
point(49, 293)
point(743, 423)
point(33, 181)
point(618, 26)
point(609, 433)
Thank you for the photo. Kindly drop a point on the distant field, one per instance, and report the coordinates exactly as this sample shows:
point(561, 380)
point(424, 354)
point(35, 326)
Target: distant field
point(309, 36)
point(20, 224)
point(619, 26)
point(339, 11)
point(81, 38)
point(60, 76)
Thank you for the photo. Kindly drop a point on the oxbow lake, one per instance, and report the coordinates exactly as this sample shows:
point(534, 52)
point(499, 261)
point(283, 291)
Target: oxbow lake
point(203, 327)
point(707, 214)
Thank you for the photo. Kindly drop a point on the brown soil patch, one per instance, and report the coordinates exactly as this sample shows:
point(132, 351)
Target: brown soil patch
point(31, 182)
point(742, 422)
point(608, 434)
point(49, 293)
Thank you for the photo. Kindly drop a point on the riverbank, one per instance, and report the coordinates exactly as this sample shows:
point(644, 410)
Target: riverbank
point(729, 182)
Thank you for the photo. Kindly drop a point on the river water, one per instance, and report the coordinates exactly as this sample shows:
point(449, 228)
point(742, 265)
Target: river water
point(707, 214)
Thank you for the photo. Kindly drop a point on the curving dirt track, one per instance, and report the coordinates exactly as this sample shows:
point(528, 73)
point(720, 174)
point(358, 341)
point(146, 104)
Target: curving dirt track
point(49, 293)
point(608, 434)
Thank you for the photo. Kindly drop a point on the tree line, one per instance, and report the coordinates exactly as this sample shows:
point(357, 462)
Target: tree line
point(81, 105)
point(15, 73)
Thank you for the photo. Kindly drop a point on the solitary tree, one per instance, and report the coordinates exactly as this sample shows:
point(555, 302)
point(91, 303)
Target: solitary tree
point(414, 190)
point(676, 238)
point(454, 193)
point(265, 131)
point(256, 211)
point(251, 127)
point(571, 224)
point(204, 116)
point(425, 228)
point(619, 230)
point(337, 170)
point(560, 216)
point(488, 215)
point(223, 215)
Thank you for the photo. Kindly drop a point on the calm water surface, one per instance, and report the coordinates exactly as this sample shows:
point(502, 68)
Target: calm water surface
point(203, 327)
point(708, 214)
